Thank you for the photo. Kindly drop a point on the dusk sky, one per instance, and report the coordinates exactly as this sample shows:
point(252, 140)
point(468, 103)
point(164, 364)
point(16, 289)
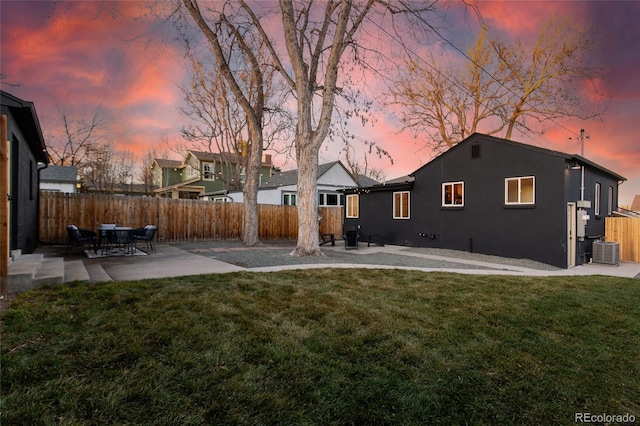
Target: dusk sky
point(81, 55)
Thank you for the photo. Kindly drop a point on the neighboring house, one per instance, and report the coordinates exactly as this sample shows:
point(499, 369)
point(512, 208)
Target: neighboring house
point(27, 155)
point(129, 189)
point(201, 173)
point(59, 179)
point(635, 205)
point(494, 196)
point(282, 187)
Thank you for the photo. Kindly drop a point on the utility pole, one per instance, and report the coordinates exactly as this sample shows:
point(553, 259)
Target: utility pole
point(583, 136)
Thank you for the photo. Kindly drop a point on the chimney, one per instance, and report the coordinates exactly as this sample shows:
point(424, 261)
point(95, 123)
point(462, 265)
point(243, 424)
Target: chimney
point(267, 158)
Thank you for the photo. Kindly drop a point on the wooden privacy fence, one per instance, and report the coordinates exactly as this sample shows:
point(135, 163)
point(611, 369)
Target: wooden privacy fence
point(176, 219)
point(626, 232)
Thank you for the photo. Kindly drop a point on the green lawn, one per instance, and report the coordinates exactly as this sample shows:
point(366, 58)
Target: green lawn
point(323, 347)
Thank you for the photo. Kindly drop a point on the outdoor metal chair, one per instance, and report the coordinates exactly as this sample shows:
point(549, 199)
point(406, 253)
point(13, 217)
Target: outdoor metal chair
point(376, 239)
point(327, 238)
point(145, 234)
point(78, 236)
point(351, 238)
point(123, 238)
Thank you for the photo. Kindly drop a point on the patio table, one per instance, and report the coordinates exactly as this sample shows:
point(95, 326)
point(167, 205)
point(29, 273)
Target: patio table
point(115, 240)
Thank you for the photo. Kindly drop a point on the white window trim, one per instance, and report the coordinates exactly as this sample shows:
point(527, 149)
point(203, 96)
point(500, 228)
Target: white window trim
point(452, 185)
point(408, 212)
point(357, 202)
point(212, 172)
point(596, 199)
point(193, 168)
point(289, 195)
point(323, 196)
point(519, 202)
point(610, 201)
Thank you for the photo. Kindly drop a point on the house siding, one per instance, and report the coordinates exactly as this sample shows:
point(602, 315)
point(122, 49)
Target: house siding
point(485, 223)
point(23, 191)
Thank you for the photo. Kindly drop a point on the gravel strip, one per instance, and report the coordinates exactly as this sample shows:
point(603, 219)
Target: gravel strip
point(456, 254)
point(278, 253)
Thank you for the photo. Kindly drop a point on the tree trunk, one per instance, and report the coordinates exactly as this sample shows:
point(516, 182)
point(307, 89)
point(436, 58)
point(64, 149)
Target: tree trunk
point(308, 237)
point(250, 231)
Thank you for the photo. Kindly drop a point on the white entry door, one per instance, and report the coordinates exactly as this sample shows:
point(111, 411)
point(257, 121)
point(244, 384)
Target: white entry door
point(571, 234)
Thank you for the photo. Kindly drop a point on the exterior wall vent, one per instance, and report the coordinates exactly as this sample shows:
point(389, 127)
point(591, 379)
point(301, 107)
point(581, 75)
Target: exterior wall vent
point(475, 151)
point(607, 253)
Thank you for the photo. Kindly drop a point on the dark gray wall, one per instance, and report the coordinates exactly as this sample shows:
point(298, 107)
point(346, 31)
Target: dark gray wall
point(23, 190)
point(485, 224)
point(596, 225)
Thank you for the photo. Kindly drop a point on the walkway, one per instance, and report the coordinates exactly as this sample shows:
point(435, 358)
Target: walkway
point(50, 265)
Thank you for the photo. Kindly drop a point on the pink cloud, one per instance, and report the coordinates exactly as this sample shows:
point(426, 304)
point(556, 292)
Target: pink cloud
point(85, 54)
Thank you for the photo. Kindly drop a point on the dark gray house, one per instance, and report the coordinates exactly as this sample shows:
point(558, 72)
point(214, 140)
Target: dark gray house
point(493, 196)
point(27, 155)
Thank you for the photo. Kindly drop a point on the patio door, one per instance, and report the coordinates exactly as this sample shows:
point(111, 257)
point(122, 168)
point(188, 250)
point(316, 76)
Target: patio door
point(571, 235)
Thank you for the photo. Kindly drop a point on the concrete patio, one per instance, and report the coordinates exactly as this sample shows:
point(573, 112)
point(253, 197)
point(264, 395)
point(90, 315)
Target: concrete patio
point(51, 265)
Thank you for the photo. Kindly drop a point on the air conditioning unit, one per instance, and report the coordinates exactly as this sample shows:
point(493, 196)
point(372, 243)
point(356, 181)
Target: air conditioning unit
point(606, 252)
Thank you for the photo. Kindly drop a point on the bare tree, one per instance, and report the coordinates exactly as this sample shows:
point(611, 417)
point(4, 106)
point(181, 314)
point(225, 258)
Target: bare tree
point(220, 124)
point(542, 80)
point(74, 136)
point(500, 87)
point(233, 45)
point(362, 167)
point(105, 170)
point(316, 39)
point(146, 172)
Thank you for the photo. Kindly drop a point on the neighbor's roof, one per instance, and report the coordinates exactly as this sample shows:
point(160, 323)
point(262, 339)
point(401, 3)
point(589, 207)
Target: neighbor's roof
point(366, 181)
point(163, 162)
point(223, 156)
point(216, 156)
point(401, 179)
point(67, 174)
point(290, 177)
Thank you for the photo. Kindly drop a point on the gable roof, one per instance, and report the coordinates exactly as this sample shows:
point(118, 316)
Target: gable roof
point(66, 174)
point(290, 177)
point(27, 118)
point(365, 181)
point(492, 139)
point(216, 156)
point(163, 162)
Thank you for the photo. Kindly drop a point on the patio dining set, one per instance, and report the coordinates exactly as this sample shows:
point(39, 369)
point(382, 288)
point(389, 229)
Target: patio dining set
point(110, 239)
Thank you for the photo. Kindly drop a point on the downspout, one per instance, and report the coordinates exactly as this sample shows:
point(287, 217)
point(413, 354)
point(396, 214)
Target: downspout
point(582, 184)
point(41, 167)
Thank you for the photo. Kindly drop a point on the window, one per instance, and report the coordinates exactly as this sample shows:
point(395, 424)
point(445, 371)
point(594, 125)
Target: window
point(353, 207)
point(453, 194)
point(596, 200)
point(207, 171)
point(610, 207)
point(192, 172)
point(328, 199)
point(401, 205)
point(520, 190)
point(289, 199)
